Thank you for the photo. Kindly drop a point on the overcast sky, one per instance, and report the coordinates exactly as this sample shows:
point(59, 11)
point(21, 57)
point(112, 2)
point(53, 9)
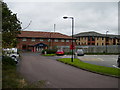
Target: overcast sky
point(88, 16)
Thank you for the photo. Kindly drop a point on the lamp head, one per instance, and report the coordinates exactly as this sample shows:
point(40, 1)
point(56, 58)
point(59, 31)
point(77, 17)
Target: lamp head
point(65, 17)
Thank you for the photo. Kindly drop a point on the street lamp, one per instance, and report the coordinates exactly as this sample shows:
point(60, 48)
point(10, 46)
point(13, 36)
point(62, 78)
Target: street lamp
point(72, 33)
point(106, 40)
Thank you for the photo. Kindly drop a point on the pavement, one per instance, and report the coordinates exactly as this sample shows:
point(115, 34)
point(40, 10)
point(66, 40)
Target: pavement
point(35, 67)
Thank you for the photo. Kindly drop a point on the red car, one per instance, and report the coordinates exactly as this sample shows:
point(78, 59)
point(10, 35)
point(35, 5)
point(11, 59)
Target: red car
point(60, 52)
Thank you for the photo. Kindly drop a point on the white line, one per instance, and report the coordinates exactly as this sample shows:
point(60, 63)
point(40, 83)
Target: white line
point(115, 66)
point(100, 59)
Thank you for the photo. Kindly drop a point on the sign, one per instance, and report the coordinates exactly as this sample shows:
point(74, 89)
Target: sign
point(72, 47)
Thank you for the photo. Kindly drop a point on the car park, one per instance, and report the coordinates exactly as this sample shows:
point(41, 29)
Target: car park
point(60, 52)
point(80, 52)
point(118, 61)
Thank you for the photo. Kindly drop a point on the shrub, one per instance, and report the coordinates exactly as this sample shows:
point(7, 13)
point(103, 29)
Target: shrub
point(8, 61)
point(49, 51)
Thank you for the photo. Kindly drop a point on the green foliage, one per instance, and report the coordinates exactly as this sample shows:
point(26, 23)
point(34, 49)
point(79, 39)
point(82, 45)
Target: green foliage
point(10, 27)
point(68, 53)
point(49, 55)
point(94, 68)
point(49, 51)
point(8, 61)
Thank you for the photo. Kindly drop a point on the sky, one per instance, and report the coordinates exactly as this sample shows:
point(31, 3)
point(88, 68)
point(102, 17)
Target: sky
point(95, 16)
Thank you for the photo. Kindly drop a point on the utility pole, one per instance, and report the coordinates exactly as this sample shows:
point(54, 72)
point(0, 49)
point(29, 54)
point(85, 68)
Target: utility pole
point(54, 27)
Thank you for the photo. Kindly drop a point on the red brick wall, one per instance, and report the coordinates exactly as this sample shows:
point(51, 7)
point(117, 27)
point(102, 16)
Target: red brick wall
point(52, 43)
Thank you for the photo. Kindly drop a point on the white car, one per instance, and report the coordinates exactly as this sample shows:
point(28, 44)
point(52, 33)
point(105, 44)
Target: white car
point(80, 52)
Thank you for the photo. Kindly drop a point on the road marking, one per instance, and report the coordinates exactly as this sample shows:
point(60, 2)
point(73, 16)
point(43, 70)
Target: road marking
point(115, 66)
point(100, 59)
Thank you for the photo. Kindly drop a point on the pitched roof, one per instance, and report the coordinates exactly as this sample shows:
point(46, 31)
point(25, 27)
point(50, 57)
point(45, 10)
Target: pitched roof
point(38, 34)
point(92, 33)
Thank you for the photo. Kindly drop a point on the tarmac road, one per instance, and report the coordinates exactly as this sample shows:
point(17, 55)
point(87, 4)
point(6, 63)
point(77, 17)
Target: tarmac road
point(35, 67)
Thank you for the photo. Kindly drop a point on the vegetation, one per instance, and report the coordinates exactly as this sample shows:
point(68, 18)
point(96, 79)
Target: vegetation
point(11, 27)
point(49, 51)
point(49, 54)
point(12, 79)
point(94, 68)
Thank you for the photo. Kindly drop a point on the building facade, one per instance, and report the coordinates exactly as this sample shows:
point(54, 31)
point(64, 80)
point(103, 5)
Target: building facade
point(37, 41)
point(98, 39)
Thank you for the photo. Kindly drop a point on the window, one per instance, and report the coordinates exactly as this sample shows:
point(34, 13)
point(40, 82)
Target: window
point(88, 38)
point(93, 38)
point(56, 40)
point(62, 40)
point(97, 38)
point(102, 44)
point(49, 40)
point(41, 39)
point(102, 38)
point(33, 39)
point(24, 39)
point(67, 40)
point(97, 44)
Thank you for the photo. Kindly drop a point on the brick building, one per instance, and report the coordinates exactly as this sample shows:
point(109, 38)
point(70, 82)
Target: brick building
point(37, 41)
point(98, 39)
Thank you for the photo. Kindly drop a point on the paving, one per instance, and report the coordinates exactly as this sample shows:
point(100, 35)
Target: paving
point(102, 60)
point(35, 67)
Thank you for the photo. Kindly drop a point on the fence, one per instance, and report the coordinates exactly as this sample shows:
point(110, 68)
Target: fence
point(95, 49)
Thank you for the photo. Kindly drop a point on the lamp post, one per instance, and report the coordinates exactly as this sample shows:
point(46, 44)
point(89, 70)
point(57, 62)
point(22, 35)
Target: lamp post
point(106, 40)
point(72, 33)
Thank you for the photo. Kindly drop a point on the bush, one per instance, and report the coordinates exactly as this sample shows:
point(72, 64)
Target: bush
point(68, 53)
point(8, 61)
point(49, 51)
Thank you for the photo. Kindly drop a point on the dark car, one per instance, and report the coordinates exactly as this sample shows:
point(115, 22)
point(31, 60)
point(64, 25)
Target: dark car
point(118, 61)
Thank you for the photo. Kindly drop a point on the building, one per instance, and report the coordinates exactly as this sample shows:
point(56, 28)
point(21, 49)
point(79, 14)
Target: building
point(37, 41)
point(94, 38)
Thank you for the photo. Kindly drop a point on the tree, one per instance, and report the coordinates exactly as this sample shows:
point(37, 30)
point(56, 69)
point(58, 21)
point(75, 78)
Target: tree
point(11, 27)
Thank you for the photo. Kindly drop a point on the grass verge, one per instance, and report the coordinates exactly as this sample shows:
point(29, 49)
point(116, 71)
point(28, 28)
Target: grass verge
point(91, 67)
point(12, 79)
point(49, 55)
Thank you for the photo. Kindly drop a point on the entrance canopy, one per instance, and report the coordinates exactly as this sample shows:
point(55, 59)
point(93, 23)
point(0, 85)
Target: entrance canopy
point(40, 45)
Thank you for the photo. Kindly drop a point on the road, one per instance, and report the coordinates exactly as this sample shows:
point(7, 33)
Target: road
point(35, 67)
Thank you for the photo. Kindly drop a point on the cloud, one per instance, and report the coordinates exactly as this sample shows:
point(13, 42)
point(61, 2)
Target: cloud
point(95, 16)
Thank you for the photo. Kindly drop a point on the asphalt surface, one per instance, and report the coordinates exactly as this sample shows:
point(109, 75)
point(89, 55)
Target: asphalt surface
point(35, 67)
point(102, 60)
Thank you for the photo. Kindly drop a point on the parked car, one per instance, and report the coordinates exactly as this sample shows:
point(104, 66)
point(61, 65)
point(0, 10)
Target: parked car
point(13, 53)
point(118, 61)
point(60, 52)
point(80, 52)
point(15, 59)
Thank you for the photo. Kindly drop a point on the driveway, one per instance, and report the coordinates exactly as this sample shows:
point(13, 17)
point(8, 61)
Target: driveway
point(35, 67)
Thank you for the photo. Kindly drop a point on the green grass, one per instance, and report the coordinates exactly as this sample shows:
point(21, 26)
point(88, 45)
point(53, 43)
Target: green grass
point(49, 55)
point(91, 67)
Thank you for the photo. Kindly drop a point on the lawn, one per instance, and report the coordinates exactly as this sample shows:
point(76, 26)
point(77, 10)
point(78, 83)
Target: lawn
point(49, 54)
point(91, 67)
